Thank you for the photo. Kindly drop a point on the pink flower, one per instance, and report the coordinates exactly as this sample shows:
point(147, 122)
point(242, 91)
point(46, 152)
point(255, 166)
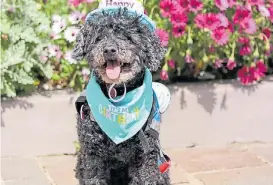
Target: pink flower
point(166, 7)
point(243, 40)
point(245, 50)
point(231, 3)
point(200, 21)
point(230, 27)
point(178, 30)
point(261, 66)
point(75, 2)
point(231, 64)
point(164, 36)
point(184, 4)
point(189, 59)
point(241, 14)
point(259, 70)
point(267, 33)
point(223, 20)
point(264, 11)
point(195, 5)
point(222, 4)
point(211, 21)
point(218, 63)
point(255, 2)
point(245, 75)
point(164, 75)
point(220, 36)
point(179, 18)
point(171, 63)
point(249, 26)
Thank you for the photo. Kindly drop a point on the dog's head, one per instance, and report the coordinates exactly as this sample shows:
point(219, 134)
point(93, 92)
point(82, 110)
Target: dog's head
point(118, 46)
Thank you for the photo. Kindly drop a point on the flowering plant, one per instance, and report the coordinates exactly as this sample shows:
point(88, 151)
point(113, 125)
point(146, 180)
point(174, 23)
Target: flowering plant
point(65, 23)
point(226, 34)
point(24, 30)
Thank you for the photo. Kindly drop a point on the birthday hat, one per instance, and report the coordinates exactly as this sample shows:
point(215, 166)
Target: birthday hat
point(134, 7)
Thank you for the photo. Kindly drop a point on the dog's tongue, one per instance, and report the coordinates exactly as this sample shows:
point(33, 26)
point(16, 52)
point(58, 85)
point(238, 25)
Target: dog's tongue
point(113, 70)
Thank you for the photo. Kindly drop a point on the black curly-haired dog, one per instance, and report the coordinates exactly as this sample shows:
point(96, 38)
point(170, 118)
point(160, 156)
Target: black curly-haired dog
point(111, 38)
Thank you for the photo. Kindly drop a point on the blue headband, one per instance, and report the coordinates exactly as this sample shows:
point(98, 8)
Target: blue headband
point(144, 18)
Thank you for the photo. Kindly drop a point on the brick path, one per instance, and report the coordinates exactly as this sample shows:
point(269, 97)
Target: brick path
point(234, 164)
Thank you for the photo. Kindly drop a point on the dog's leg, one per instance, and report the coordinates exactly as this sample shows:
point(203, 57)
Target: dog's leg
point(91, 166)
point(147, 173)
point(91, 170)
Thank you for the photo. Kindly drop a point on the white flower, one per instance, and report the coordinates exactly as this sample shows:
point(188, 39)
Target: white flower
point(75, 17)
point(68, 57)
point(89, 1)
point(85, 72)
point(54, 36)
point(43, 56)
point(56, 18)
point(53, 50)
point(71, 33)
point(264, 11)
point(59, 26)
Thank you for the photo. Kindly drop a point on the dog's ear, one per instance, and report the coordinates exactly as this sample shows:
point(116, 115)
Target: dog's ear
point(78, 52)
point(154, 52)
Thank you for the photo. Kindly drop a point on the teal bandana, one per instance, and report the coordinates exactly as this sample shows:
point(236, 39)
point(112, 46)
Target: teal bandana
point(122, 120)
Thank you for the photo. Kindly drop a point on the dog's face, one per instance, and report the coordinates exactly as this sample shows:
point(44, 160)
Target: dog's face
point(118, 47)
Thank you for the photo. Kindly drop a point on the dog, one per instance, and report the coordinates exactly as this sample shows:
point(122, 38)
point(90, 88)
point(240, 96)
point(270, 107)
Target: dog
point(110, 41)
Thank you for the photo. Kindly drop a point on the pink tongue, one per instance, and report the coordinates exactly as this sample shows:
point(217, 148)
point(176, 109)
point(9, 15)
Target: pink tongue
point(112, 70)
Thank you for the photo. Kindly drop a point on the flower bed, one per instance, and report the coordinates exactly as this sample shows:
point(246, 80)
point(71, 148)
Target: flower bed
point(206, 39)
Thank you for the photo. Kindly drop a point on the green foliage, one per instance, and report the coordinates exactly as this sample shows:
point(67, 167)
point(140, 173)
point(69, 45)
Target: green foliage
point(24, 30)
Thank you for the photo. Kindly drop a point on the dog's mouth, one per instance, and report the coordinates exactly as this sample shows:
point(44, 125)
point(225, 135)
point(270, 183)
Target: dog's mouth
point(114, 68)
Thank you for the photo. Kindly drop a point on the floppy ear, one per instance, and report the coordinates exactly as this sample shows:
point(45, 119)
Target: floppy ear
point(154, 52)
point(78, 52)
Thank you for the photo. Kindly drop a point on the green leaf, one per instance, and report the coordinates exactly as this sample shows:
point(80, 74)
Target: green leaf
point(55, 77)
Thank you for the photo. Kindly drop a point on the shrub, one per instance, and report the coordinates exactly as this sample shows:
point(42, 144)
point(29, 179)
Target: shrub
point(224, 35)
point(23, 36)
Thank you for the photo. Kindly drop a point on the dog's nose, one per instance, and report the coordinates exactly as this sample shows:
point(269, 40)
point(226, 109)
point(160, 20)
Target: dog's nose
point(110, 51)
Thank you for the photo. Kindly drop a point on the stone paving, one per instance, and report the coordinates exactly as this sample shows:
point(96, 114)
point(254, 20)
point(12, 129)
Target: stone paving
point(234, 164)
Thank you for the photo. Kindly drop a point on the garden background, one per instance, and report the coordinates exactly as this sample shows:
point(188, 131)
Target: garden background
point(206, 40)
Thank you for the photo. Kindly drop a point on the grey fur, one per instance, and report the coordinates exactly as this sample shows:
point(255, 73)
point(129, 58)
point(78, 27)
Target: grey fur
point(100, 161)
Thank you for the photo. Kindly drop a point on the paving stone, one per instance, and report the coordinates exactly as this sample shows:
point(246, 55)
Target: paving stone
point(262, 175)
point(22, 169)
point(177, 175)
point(27, 182)
point(265, 151)
point(60, 169)
point(207, 159)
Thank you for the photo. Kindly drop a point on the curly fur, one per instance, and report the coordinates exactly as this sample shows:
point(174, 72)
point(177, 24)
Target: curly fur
point(100, 161)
